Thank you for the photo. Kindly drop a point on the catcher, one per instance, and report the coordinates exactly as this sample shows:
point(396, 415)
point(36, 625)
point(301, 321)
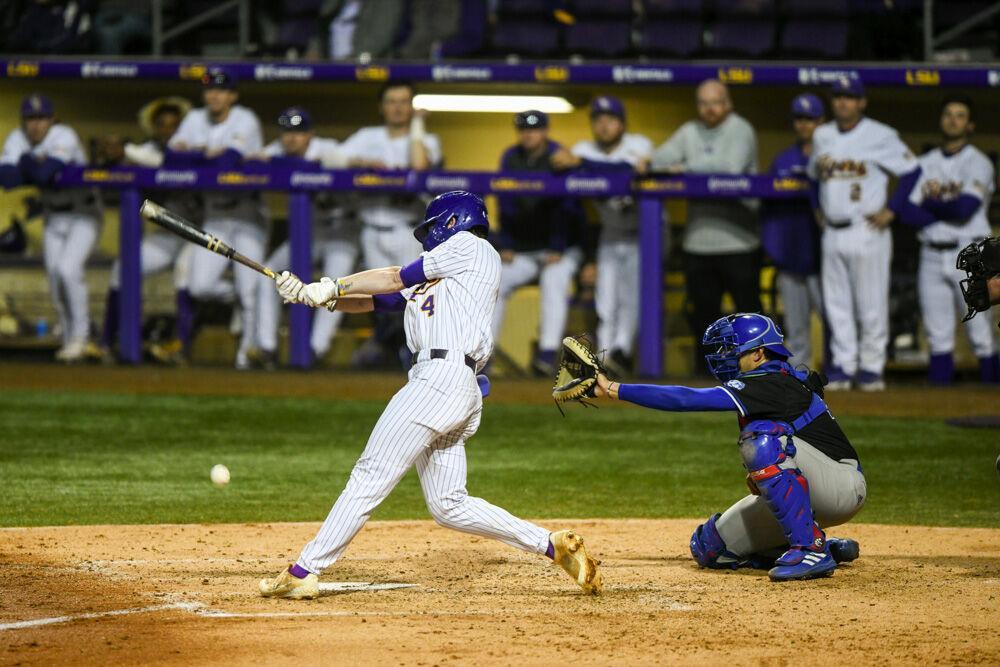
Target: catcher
point(803, 473)
point(981, 287)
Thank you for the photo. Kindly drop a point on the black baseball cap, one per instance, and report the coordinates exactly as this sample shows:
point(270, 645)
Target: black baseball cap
point(531, 120)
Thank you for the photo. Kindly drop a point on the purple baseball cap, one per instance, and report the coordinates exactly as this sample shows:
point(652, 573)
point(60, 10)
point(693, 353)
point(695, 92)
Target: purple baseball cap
point(847, 86)
point(609, 105)
point(807, 105)
point(37, 106)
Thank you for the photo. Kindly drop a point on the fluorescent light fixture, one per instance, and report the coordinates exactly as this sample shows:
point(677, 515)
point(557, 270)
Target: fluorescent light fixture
point(492, 103)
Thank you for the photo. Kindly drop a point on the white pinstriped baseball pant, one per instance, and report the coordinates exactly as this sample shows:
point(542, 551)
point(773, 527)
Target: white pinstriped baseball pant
point(425, 424)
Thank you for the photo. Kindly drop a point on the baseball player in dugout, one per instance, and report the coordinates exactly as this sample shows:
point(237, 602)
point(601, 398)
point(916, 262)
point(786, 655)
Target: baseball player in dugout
point(34, 154)
point(790, 236)
point(222, 134)
point(402, 142)
point(803, 473)
point(851, 160)
point(537, 239)
point(721, 239)
point(617, 289)
point(447, 295)
point(949, 205)
point(335, 232)
point(160, 250)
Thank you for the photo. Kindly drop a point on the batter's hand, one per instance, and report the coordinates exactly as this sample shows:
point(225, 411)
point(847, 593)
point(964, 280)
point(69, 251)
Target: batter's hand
point(881, 219)
point(319, 294)
point(289, 287)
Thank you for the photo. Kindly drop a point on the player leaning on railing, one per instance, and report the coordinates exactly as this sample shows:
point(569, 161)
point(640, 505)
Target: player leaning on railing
point(803, 472)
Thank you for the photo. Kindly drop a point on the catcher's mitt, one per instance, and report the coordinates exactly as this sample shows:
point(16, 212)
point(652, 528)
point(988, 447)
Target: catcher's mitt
point(576, 378)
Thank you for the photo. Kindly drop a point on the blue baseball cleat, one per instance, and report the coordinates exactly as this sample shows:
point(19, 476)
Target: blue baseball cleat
point(798, 563)
point(843, 550)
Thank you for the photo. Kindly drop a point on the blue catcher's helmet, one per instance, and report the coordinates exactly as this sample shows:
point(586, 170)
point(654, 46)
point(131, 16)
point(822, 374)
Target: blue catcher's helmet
point(449, 214)
point(733, 335)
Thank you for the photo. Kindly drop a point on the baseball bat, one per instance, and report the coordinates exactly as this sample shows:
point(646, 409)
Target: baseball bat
point(169, 220)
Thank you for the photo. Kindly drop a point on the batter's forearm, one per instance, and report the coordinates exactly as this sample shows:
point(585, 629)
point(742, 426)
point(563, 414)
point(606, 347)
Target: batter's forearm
point(373, 281)
point(355, 303)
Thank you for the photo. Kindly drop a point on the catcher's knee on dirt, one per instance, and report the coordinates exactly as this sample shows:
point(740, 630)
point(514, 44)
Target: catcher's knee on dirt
point(785, 490)
point(710, 551)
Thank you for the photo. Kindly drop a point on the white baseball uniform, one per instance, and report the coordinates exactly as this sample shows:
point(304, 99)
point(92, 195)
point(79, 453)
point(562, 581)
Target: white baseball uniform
point(616, 293)
point(236, 218)
point(429, 420)
point(334, 246)
point(72, 224)
point(388, 219)
point(967, 172)
point(851, 169)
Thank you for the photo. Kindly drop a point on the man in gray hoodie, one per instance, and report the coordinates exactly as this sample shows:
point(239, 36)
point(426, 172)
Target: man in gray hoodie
point(722, 240)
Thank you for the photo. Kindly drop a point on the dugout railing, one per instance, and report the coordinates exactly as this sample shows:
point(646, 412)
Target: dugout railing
point(649, 191)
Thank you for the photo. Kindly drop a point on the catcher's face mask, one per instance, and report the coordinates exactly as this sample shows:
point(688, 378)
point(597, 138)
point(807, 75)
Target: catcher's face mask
point(974, 288)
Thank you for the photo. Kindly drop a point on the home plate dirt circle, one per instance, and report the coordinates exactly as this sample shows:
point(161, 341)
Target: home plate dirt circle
point(410, 592)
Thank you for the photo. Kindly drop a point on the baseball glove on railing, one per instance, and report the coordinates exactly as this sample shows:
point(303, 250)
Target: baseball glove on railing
point(576, 378)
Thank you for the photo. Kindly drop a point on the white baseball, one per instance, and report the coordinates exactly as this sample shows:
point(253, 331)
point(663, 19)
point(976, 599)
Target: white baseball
point(219, 475)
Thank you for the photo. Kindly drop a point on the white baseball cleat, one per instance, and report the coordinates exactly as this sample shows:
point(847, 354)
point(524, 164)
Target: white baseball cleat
point(73, 351)
point(572, 556)
point(290, 587)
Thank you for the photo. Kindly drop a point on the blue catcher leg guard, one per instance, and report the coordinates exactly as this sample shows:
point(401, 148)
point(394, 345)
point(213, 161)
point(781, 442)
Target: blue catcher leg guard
point(710, 551)
point(786, 492)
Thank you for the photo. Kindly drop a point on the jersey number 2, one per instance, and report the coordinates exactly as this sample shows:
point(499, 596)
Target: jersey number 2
point(428, 305)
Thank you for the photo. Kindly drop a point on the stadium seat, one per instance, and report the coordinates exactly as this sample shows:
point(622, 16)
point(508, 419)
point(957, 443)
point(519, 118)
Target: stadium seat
point(471, 36)
point(820, 37)
point(294, 8)
point(811, 8)
point(524, 7)
point(535, 37)
point(296, 33)
point(600, 37)
point(672, 8)
point(742, 36)
point(586, 9)
point(680, 37)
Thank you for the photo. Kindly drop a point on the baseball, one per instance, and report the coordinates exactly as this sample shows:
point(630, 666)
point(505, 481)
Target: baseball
point(219, 475)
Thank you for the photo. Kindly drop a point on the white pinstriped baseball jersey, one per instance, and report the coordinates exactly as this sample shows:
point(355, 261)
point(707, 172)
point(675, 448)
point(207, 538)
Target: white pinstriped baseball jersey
point(851, 167)
point(453, 310)
point(967, 172)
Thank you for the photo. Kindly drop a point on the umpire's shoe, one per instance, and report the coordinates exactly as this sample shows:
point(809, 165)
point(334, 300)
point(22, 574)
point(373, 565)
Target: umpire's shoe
point(286, 585)
point(799, 563)
point(569, 553)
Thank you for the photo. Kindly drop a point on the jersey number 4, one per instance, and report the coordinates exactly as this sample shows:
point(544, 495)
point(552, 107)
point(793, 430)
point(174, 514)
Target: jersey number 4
point(428, 305)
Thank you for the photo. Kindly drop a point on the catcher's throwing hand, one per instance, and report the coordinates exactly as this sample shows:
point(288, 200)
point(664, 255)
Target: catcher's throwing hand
point(581, 373)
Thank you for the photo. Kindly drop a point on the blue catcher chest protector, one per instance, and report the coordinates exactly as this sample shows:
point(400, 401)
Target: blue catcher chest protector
point(449, 214)
point(733, 335)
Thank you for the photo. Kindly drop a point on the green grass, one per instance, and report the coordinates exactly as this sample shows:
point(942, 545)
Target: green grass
point(68, 458)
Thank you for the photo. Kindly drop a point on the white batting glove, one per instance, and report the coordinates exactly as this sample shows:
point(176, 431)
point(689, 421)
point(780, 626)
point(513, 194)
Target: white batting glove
point(319, 294)
point(289, 287)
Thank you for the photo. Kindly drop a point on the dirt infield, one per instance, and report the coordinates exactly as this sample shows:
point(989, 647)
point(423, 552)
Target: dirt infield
point(181, 594)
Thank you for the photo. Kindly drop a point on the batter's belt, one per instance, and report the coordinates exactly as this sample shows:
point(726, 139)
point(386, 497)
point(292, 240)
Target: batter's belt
point(436, 353)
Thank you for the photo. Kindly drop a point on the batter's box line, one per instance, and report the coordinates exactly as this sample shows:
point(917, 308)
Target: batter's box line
point(55, 620)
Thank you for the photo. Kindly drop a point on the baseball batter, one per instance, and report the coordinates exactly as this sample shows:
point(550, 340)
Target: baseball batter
point(616, 292)
point(222, 134)
point(955, 187)
point(448, 296)
point(850, 158)
point(33, 154)
point(160, 250)
point(335, 240)
point(809, 481)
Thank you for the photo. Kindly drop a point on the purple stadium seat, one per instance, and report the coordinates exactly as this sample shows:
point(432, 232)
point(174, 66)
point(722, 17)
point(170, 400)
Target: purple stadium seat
point(524, 7)
point(814, 8)
point(539, 37)
point(471, 36)
point(584, 9)
point(296, 33)
point(743, 36)
point(303, 8)
point(729, 8)
point(672, 8)
point(821, 37)
point(676, 37)
point(604, 37)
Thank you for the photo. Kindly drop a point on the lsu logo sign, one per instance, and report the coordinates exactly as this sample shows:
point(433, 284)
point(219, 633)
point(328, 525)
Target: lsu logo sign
point(552, 73)
point(371, 73)
point(735, 75)
point(22, 69)
point(789, 185)
point(239, 178)
point(105, 176)
point(923, 77)
point(379, 181)
point(516, 185)
point(657, 185)
point(192, 72)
